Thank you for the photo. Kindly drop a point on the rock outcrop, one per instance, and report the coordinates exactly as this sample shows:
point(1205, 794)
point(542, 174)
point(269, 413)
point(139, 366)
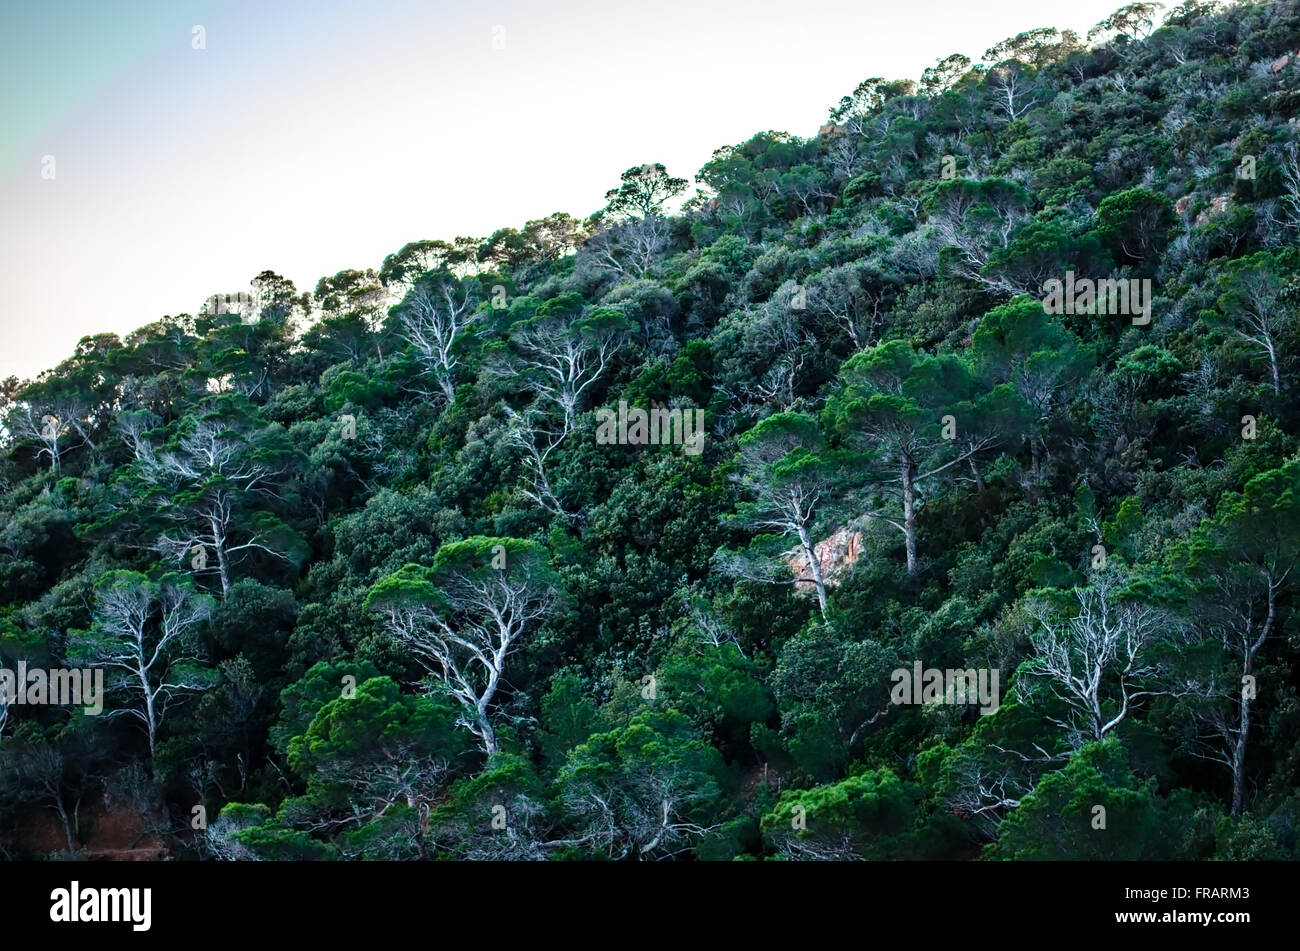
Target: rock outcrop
point(835, 555)
point(1218, 204)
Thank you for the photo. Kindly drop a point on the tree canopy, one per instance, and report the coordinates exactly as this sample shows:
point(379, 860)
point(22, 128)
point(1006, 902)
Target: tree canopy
point(786, 523)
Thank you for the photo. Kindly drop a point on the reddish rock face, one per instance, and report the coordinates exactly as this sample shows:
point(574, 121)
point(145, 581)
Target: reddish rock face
point(1181, 204)
point(1217, 205)
point(1280, 63)
point(834, 554)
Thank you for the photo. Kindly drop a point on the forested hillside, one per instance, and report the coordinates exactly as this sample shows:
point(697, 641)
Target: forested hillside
point(639, 536)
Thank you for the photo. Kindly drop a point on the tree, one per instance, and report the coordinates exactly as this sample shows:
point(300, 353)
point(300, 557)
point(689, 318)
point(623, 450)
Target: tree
point(866, 816)
point(830, 688)
point(203, 487)
point(70, 404)
point(892, 407)
point(502, 814)
point(536, 439)
point(629, 249)
point(941, 76)
point(302, 700)
point(146, 633)
point(1129, 24)
point(1040, 250)
point(1135, 224)
point(867, 98)
point(1031, 350)
point(463, 617)
point(506, 250)
point(856, 297)
point(53, 774)
point(1096, 809)
point(276, 300)
point(1253, 298)
point(716, 686)
point(350, 292)
point(405, 267)
point(1014, 89)
point(983, 778)
point(1100, 660)
point(555, 236)
point(807, 185)
point(1289, 162)
point(352, 303)
point(434, 317)
point(646, 791)
point(43, 426)
point(650, 307)
point(781, 464)
point(971, 218)
point(560, 352)
point(1033, 48)
point(643, 191)
point(557, 354)
point(1243, 560)
point(374, 761)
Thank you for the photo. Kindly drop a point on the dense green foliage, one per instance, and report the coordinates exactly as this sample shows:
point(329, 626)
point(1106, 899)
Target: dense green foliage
point(393, 596)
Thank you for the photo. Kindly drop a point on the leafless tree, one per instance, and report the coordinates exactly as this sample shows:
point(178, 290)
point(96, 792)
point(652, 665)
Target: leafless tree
point(985, 790)
point(840, 293)
point(1013, 92)
point(1203, 384)
point(845, 157)
point(1263, 319)
point(1290, 201)
point(629, 249)
point(642, 813)
point(558, 360)
point(135, 792)
point(956, 227)
point(826, 847)
point(535, 443)
point(433, 318)
point(51, 427)
point(42, 769)
point(712, 629)
point(146, 633)
point(467, 639)
point(216, 460)
point(1099, 661)
point(1241, 616)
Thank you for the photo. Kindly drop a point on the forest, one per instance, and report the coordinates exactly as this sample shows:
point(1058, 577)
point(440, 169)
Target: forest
point(926, 489)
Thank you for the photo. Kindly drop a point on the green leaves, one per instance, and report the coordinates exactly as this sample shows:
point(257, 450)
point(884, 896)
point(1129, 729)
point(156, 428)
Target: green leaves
point(1135, 224)
point(303, 700)
point(649, 790)
point(1096, 809)
point(373, 726)
point(481, 554)
point(408, 585)
point(456, 601)
point(866, 816)
point(643, 191)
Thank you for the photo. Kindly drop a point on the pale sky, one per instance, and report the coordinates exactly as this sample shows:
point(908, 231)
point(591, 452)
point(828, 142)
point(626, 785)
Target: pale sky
point(309, 137)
